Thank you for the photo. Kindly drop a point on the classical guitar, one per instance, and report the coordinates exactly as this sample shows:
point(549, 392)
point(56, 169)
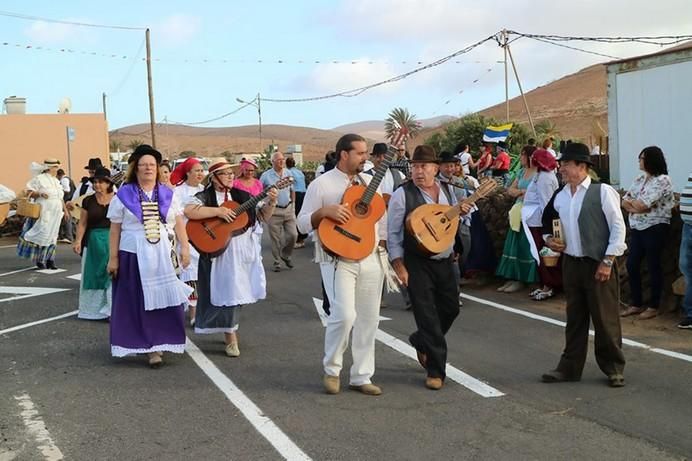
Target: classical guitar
point(355, 239)
point(212, 235)
point(434, 226)
point(76, 211)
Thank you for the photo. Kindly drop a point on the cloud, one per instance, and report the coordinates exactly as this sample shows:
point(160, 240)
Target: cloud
point(51, 33)
point(334, 78)
point(177, 29)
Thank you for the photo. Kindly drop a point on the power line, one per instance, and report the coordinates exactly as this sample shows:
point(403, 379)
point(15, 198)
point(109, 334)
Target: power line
point(358, 91)
point(235, 111)
point(662, 40)
point(575, 48)
point(10, 14)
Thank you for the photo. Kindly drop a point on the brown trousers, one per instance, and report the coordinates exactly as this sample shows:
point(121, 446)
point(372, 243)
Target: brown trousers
point(588, 299)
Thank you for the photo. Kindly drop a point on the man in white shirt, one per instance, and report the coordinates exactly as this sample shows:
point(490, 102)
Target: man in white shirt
point(465, 158)
point(354, 288)
point(593, 236)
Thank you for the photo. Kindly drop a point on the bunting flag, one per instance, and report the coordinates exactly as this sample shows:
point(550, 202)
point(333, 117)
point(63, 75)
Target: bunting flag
point(497, 133)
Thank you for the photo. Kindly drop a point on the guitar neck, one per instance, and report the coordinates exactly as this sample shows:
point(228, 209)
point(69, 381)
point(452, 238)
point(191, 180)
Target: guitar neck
point(455, 211)
point(251, 203)
point(380, 171)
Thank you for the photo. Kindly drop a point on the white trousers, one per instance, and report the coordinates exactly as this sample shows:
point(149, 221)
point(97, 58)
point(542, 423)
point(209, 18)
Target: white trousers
point(355, 292)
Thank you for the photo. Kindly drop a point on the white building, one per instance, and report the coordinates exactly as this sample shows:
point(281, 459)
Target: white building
point(650, 103)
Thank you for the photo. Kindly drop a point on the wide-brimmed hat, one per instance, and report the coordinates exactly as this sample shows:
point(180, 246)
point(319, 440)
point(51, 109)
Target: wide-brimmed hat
point(93, 164)
point(141, 151)
point(50, 162)
point(217, 168)
point(424, 154)
point(576, 152)
point(102, 174)
point(379, 148)
point(544, 160)
point(448, 157)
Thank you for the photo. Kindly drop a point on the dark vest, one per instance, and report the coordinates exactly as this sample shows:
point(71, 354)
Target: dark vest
point(593, 226)
point(414, 199)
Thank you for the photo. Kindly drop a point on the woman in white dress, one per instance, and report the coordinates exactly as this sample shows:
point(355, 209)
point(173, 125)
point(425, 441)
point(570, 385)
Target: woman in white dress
point(187, 179)
point(39, 236)
point(236, 276)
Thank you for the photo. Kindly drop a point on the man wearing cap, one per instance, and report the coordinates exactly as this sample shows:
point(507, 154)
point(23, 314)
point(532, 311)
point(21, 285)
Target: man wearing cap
point(430, 280)
point(282, 225)
point(593, 236)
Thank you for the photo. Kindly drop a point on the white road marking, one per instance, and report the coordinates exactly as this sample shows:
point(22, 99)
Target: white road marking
point(77, 277)
point(27, 292)
point(50, 271)
point(18, 271)
point(466, 380)
point(37, 428)
point(252, 413)
point(8, 246)
point(531, 315)
point(37, 322)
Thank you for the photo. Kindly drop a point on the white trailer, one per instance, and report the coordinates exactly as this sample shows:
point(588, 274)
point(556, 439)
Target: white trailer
point(650, 103)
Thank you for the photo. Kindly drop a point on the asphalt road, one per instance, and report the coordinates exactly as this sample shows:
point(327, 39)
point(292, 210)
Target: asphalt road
point(64, 397)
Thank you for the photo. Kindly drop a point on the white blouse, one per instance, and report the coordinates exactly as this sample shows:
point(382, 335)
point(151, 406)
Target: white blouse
point(132, 228)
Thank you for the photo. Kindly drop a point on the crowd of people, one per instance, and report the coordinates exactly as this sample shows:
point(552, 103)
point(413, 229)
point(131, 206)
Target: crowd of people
point(566, 229)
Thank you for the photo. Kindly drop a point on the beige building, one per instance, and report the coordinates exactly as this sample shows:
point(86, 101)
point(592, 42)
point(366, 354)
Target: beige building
point(32, 137)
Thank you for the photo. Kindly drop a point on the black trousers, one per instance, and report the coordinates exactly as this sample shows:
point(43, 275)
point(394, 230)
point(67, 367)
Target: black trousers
point(434, 293)
point(300, 196)
point(646, 243)
point(591, 301)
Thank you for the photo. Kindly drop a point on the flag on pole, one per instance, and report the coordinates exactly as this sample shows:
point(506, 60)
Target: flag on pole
point(497, 133)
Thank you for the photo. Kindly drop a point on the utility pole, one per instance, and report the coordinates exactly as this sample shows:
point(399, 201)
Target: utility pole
point(523, 97)
point(105, 116)
point(259, 115)
point(504, 47)
point(152, 118)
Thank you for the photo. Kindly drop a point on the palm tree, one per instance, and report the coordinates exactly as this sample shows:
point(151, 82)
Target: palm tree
point(404, 119)
point(115, 145)
point(546, 129)
point(134, 144)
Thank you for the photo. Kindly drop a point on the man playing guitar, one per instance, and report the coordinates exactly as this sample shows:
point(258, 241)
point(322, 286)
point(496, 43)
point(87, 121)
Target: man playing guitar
point(430, 280)
point(354, 288)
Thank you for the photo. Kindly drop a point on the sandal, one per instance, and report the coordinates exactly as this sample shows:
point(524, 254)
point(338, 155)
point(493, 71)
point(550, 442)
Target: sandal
point(632, 310)
point(535, 292)
point(155, 360)
point(541, 295)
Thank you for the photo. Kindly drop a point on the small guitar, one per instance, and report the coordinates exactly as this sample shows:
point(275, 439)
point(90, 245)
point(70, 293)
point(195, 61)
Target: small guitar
point(212, 235)
point(76, 211)
point(434, 226)
point(355, 239)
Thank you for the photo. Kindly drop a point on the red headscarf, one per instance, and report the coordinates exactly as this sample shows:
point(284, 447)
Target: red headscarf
point(179, 175)
point(543, 160)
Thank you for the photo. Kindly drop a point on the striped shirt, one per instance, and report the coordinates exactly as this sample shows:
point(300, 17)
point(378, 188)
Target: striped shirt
point(686, 202)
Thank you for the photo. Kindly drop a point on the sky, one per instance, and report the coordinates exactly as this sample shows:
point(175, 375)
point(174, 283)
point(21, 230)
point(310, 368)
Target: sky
point(206, 54)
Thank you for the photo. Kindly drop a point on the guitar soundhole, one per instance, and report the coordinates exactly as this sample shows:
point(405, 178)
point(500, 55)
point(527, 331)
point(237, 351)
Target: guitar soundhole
point(361, 209)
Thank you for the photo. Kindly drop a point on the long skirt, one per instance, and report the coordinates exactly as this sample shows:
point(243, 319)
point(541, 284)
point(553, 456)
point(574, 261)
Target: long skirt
point(482, 255)
point(208, 317)
point(95, 291)
point(516, 262)
point(38, 254)
point(138, 331)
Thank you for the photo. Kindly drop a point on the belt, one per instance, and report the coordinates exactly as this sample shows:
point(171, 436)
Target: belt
point(289, 204)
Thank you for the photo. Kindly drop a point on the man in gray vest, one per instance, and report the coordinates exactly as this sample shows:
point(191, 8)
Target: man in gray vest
point(593, 235)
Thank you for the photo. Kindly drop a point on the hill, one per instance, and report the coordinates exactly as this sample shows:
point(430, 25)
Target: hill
point(576, 104)
point(173, 139)
point(374, 129)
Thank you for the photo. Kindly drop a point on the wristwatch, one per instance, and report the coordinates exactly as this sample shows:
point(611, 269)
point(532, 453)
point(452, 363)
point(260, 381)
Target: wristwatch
point(607, 262)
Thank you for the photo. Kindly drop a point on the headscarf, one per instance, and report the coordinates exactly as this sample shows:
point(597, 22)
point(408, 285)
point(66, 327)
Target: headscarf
point(543, 160)
point(179, 174)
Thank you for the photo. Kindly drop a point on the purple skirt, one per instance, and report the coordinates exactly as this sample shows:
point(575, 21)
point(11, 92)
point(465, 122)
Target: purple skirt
point(134, 330)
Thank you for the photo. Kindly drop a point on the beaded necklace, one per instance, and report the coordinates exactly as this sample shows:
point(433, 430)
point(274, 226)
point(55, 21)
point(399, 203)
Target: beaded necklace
point(150, 215)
